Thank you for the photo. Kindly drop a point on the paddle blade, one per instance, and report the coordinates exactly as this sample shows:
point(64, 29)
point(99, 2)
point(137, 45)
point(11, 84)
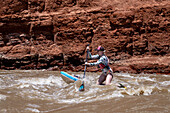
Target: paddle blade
point(81, 87)
point(121, 86)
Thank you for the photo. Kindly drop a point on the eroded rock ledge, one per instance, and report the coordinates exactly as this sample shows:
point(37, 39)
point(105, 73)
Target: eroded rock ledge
point(49, 34)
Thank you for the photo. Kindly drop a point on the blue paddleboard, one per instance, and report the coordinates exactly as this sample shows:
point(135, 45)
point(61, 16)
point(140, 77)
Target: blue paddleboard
point(68, 78)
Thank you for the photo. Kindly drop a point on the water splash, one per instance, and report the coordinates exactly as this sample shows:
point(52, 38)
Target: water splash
point(48, 87)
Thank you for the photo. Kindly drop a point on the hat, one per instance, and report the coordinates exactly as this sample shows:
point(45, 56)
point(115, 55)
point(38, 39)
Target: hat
point(100, 48)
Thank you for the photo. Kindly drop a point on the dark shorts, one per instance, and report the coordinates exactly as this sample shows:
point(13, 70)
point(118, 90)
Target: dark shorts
point(103, 76)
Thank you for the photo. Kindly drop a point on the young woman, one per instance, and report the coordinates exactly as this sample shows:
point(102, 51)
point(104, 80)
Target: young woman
point(103, 63)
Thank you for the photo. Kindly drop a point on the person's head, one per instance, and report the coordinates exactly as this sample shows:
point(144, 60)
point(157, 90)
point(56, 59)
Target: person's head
point(100, 50)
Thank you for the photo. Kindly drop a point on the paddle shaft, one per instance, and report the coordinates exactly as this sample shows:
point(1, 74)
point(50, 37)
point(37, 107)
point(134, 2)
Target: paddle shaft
point(85, 64)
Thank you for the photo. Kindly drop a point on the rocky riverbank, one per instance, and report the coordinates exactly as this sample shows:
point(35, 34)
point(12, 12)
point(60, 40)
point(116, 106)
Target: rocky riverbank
point(53, 34)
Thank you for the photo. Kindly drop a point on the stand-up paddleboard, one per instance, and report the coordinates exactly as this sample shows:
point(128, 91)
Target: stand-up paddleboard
point(68, 78)
point(71, 79)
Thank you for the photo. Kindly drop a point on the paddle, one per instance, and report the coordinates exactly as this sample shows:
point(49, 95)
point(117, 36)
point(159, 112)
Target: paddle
point(122, 86)
point(82, 85)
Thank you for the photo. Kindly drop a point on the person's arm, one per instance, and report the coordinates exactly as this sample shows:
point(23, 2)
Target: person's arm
point(93, 56)
point(96, 63)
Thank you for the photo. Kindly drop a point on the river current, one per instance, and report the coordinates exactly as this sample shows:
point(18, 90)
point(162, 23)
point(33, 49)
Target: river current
point(33, 91)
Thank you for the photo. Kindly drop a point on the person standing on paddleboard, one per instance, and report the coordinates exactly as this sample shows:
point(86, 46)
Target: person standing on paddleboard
point(103, 63)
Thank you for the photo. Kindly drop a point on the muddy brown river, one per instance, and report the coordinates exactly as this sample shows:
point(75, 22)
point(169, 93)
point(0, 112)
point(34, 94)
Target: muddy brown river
point(32, 91)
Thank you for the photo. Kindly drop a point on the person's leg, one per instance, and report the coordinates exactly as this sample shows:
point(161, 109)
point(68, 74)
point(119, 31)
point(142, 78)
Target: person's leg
point(102, 78)
point(109, 78)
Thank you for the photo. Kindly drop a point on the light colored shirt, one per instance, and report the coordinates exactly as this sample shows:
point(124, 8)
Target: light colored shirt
point(102, 60)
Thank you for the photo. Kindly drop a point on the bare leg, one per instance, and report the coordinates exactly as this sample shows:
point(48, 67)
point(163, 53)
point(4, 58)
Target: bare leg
point(109, 79)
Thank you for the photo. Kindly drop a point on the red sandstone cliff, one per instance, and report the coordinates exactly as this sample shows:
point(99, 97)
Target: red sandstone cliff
point(52, 34)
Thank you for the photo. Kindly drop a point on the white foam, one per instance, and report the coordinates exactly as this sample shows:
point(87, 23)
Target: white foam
point(33, 105)
point(52, 81)
point(124, 75)
point(3, 110)
point(36, 81)
point(24, 86)
point(141, 90)
point(2, 97)
point(87, 96)
point(165, 83)
point(166, 75)
point(148, 79)
point(148, 90)
point(32, 110)
point(70, 101)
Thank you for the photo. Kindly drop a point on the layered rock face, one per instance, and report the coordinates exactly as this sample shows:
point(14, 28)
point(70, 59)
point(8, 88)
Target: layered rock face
point(53, 34)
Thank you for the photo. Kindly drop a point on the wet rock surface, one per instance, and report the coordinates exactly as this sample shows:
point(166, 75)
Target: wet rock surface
point(53, 34)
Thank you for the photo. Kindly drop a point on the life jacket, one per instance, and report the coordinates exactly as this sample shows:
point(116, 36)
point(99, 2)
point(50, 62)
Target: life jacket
point(102, 66)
